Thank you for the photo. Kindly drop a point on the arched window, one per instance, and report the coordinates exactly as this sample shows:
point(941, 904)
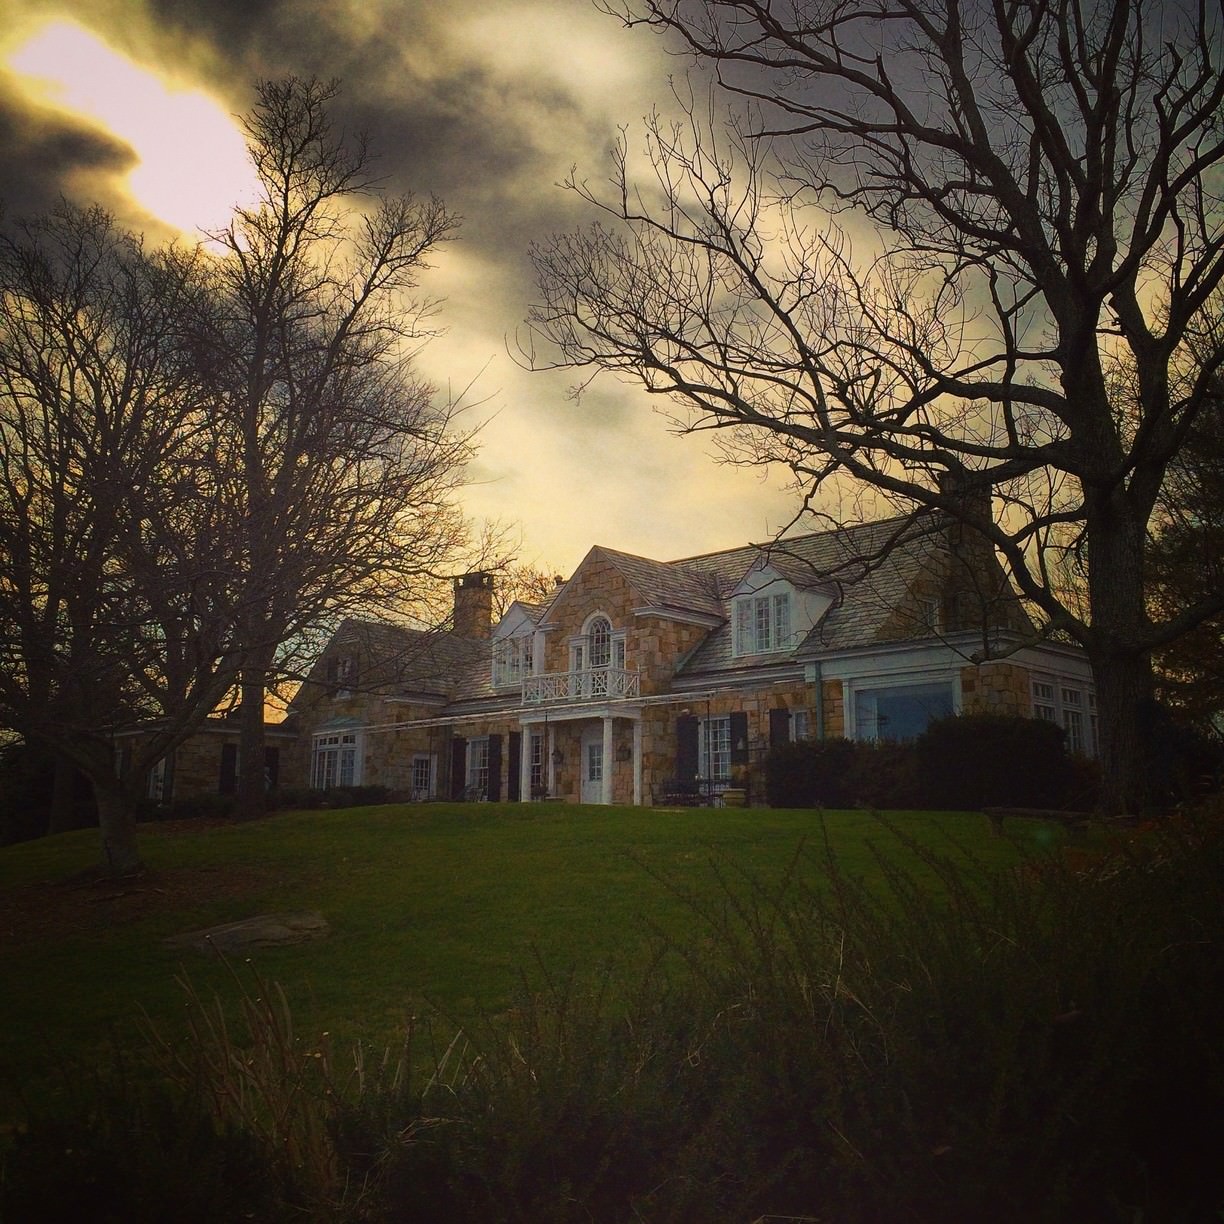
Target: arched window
point(600, 634)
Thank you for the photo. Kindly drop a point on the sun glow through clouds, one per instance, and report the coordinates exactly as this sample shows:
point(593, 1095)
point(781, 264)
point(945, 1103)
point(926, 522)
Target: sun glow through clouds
point(191, 165)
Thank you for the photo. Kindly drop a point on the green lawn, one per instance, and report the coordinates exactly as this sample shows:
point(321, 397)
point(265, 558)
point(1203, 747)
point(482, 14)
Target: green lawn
point(437, 906)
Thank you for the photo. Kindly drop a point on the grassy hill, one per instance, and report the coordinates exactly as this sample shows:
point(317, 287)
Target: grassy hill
point(683, 1016)
point(435, 906)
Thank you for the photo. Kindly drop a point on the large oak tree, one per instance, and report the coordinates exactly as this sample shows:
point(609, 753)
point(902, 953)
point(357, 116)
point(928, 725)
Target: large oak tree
point(932, 249)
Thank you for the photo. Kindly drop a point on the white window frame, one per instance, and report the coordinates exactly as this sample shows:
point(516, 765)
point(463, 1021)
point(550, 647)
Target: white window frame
point(513, 658)
point(157, 782)
point(423, 762)
point(762, 623)
point(335, 759)
point(537, 771)
point(1071, 704)
point(714, 748)
point(800, 725)
point(478, 764)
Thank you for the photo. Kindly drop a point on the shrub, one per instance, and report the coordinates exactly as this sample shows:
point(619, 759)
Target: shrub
point(304, 798)
point(973, 761)
point(138, 1155)
point(884, 776)
point(810, 773)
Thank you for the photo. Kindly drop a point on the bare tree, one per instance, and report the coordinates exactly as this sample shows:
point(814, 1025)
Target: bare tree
point(343, 466)
point(114, 606)
point(924, 251)
point(525, 583)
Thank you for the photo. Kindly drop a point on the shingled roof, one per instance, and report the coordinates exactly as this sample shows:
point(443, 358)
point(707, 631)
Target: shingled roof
point(405, 661)
point(870, 566)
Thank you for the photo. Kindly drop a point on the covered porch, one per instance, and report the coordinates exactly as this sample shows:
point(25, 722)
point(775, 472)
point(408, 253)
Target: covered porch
point(590, 751)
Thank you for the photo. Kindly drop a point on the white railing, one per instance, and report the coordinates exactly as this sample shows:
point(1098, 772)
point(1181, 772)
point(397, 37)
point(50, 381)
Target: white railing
point(594, 684)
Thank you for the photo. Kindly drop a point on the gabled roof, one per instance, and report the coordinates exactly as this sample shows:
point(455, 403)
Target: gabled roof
point(668, 585)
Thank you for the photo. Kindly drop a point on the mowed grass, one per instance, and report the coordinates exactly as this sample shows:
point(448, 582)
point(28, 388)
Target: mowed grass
point(442, 910)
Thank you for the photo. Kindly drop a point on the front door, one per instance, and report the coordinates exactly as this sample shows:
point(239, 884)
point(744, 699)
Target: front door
point(592, 764)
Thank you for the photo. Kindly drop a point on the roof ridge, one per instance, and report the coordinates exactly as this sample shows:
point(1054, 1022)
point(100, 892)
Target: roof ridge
point(795, 539)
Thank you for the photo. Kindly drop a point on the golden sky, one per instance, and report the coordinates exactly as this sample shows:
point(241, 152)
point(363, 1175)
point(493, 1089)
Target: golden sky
point(487, 104)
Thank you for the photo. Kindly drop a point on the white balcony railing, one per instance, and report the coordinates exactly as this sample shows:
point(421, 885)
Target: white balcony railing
point(594, 684)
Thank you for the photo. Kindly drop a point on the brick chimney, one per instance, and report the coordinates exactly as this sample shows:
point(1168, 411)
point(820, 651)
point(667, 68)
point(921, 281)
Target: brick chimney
point(474, 605)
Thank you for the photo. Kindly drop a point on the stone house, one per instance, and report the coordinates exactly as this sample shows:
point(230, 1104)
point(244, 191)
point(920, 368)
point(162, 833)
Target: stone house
point(643, 681)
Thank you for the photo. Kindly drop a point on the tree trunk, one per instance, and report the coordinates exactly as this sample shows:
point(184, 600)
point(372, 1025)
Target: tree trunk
point(117, 819)
point(1124, 709)
point(1121, 668)
point(65, 812)
point(252, 799)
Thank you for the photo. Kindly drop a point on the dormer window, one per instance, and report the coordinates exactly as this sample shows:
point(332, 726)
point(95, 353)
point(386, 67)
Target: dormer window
point(762, 623)
point(342, 675)
point(512, 660)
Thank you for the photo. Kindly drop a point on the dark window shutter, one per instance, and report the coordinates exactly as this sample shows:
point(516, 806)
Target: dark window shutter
point(739, 738)
point(333, 673)
point(686, 748)
point(779, 726)
point(495, 767)
point(514, 766)
point(228, 784)
point(125, 760)
point(458, 778)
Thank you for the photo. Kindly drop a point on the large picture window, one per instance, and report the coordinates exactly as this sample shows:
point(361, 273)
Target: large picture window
point(762, 623)
point(334, 760)
point(900, 712)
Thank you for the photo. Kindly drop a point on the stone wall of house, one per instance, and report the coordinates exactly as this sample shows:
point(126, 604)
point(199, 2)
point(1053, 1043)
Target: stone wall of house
point(834, 708)
point(996, 688)
point(197, 764)
point(653, 645)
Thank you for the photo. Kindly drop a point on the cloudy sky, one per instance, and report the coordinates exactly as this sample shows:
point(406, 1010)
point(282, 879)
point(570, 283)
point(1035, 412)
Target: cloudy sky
point(485, 103)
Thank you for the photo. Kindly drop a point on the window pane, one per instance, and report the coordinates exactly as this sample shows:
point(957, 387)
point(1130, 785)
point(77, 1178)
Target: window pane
point(901, 712)
point(601, 642)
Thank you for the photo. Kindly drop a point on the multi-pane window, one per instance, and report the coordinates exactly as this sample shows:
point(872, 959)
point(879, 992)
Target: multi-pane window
point(334, 760)
point(512, 660)
point(1043, 701)
point(714, 749)
point(422, 776)
point(1073, 718)
point(478, 765)
point(762, 623)
point(801, 726)
point(1073, 709)
point(537, 765)
point(600, 636)
point(157, 782)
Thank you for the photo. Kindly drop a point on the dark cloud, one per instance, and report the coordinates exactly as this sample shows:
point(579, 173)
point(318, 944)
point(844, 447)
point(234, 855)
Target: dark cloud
point(43, 152)
point(486, 104)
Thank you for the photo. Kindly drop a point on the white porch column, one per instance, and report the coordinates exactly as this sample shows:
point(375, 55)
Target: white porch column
point(525, 730)
point(605, 795)
point(637, 762)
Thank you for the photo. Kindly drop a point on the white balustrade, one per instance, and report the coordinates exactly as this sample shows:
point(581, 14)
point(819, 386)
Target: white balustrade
point(593, 684)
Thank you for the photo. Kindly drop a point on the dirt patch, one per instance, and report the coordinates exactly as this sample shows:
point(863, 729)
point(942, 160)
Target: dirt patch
point(64, 908)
